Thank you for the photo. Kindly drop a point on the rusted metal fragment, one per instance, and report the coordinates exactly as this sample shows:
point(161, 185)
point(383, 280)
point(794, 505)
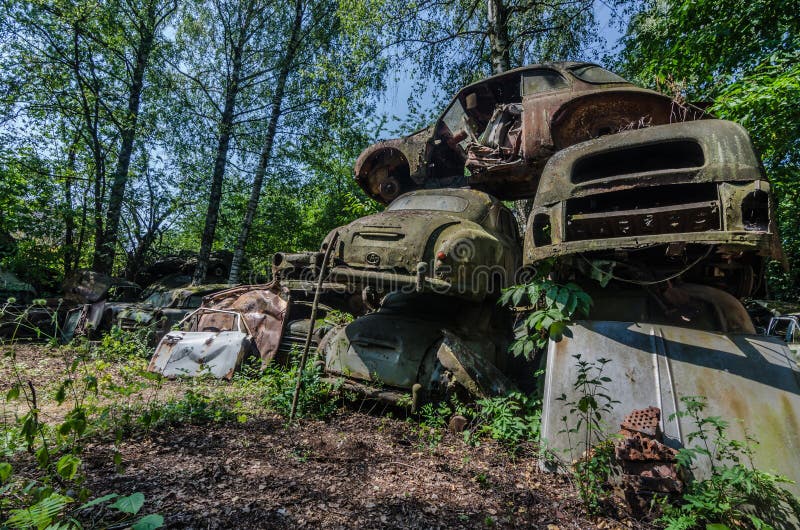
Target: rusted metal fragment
point(262, 307)
point(502, 129)
point(471, 369)
point(197, 353)
point(643, 421)
point(647, 465)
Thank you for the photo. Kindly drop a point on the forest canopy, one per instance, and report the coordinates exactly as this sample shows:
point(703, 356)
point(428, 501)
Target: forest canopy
point(135, 129)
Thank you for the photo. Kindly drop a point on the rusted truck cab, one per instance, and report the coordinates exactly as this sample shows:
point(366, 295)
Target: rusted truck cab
point(504, 128)
point(672, 195)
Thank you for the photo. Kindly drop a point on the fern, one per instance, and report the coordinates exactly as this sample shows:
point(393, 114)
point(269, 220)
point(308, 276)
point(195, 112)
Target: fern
point(41, 514)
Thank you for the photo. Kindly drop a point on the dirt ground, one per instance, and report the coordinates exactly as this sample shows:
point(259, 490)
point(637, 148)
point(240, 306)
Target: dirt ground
point(355, 470)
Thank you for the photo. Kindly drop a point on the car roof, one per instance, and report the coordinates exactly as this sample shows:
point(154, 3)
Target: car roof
point(561, 66)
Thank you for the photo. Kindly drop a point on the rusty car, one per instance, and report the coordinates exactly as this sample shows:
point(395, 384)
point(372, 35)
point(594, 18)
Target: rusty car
point(213, 351)
point(504, 128)
point(686, 198)
point(269, 320)
point(420, 347)
point(457, 242)
point(99, 297)
point(162, 308)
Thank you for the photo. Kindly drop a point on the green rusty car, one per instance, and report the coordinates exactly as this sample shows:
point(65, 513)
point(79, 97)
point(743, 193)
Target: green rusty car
point(686, 199)
point(161, 309)
point(456, 242)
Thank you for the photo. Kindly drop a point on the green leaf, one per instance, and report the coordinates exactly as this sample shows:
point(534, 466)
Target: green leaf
point(67, 466)
point(43, 457)
point(5, 472)
point(517, 296)
point(41, 514)
point(717, 526)
point(13, 393)
point(99, 500)
point(149, 522)
point(130, 504)
point(557, 330)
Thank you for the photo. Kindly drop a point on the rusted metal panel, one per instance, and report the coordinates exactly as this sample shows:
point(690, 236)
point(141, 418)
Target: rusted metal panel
point(697, 186)
point(750, 380)
point(383, 350)
point(263, 309)
point(502, 129)
point(190, 354)
point(678, 153)
point(472, 368)
point(423, 345)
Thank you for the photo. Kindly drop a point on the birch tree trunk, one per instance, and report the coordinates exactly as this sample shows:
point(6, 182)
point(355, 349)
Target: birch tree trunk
point(269, 141)
point(105, 252)
point(223, 144)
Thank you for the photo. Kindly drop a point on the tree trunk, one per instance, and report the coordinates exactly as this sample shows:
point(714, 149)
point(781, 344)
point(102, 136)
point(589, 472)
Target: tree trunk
point(69, 214)
point(497, 18)
point(223, 143)
point(105, 252)
point(269, 141)
point(501, 62)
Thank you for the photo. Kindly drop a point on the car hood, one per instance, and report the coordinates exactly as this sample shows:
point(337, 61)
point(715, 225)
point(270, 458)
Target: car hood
point(392, 240)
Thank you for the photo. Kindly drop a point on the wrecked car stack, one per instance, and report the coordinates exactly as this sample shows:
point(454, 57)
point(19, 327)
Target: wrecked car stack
point(663, 215)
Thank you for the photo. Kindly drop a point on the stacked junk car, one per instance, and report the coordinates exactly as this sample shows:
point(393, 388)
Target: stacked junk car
point(658, 212)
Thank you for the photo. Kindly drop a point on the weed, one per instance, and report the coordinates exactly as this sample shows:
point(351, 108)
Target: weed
point(317, 399)
point(431, 422)
point(510, 420)
point(551, 305)
point(588, 431)
point(736, 495)
point(33, 504)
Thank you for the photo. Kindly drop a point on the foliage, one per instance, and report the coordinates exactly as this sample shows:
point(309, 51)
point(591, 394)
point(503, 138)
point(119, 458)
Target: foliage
point(510, 420)
point(119, 344)
point(584, 420)
point(551, 306)
point(32, 505)
point(737, 494)
point(48, 501)
point(444, 45)
point(317, 399)
point(742, 57)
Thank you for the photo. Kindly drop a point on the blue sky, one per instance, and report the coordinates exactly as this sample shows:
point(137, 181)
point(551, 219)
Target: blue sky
point(394, 101)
